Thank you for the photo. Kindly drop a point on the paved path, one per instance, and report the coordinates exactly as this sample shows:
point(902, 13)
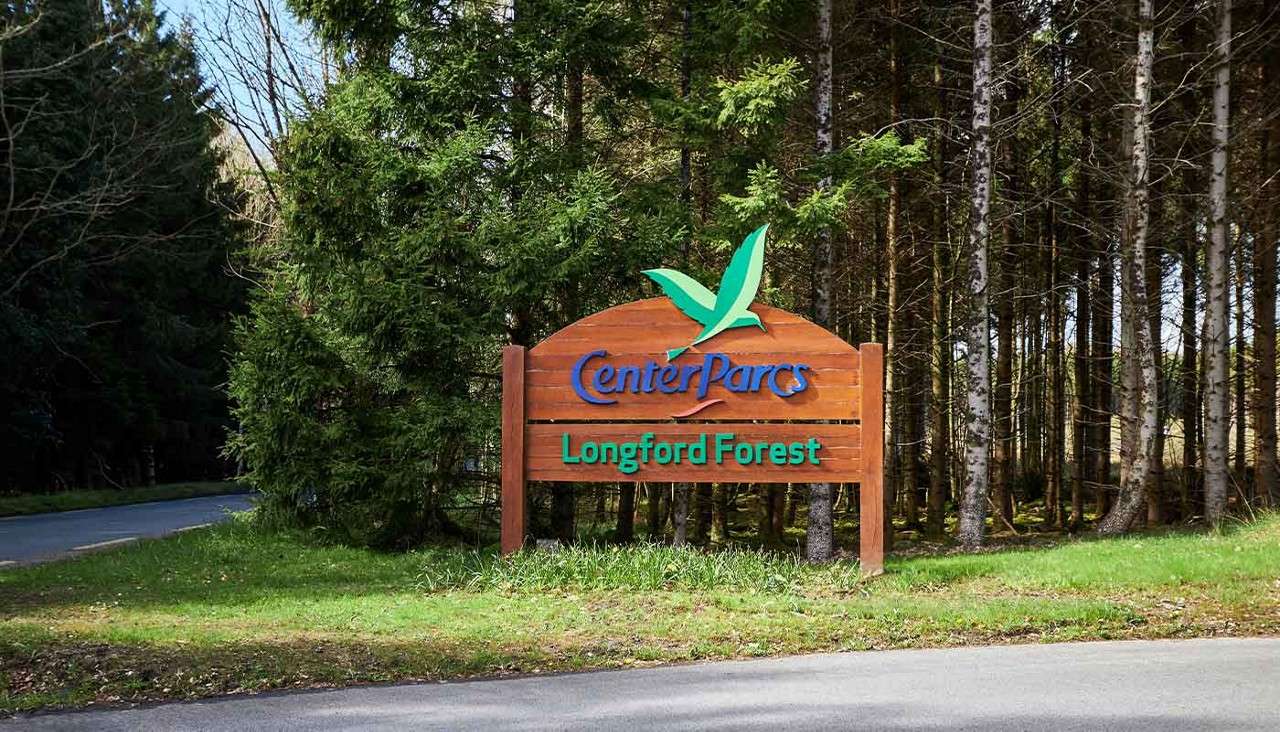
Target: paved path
point(1138, 685)
point(45, 536)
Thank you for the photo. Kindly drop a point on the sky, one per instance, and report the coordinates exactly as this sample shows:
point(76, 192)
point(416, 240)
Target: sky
point(234, 87)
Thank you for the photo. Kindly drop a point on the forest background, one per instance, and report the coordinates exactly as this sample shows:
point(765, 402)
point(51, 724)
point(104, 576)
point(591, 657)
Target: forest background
point(1060, 217)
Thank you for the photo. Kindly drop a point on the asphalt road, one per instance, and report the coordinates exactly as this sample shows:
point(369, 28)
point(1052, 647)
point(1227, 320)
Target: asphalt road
point(1222, 684)
point(45, 536)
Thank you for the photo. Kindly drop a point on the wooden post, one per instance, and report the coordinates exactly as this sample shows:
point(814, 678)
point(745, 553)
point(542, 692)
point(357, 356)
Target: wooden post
point(871, 496)
point(513, 498)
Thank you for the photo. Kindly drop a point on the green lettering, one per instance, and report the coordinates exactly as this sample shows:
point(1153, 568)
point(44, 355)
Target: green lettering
point(565, 456)
point(698, 451)
point(723, 440)
point(778, 453)
point(797, 453)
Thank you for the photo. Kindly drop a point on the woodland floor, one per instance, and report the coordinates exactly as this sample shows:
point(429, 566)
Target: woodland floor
point(233, 610)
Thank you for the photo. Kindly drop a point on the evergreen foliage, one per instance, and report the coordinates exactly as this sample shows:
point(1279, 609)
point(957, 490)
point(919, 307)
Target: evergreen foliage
point(114, 244)
point(456, 190)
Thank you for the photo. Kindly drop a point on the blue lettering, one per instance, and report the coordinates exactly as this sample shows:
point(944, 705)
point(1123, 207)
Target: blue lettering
point(708, 376)
point(579, 388)
point(801, 382)
point(773, 379)
point(739, 379)
point(666, 376)
point(600, 380)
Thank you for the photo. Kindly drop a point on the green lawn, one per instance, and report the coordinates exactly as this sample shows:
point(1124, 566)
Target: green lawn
point(230, 609)
point(72, 500)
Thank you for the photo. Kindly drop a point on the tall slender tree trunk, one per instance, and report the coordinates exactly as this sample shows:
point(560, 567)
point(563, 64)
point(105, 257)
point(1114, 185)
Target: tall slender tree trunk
point(894, 412)
point(973, 504)
point(680, 491)
point(702, 513)
point(653, 509)
point(719, 514)
point(939, 347)
point(1104, 306)
point(625, 531)
point(1265, 246)
point(1003, 450)
point(1239, 390)
point(1055, 391)
point(1139, 410)
point(1155, 303)
point(1082, 416)
point(1080, 402)
point(1190, 372)
point(1217, 421)
point(819, 535)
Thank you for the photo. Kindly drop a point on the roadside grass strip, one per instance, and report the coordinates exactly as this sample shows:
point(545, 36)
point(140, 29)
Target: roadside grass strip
point(26, 505)
point(233, 609)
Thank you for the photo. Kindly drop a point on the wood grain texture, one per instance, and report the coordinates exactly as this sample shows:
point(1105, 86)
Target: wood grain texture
point(513, 449)
point(637, 332)
point(871, 490)
point(841, 454)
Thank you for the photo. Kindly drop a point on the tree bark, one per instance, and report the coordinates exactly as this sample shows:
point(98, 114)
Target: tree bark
point(719, 514)
point(819, 539)
point(1265, 247)
point(1139, 410)
point(1216, 269)
point(939, 347)
point(1155, 303)
point(1003, 446)
point(625, 530)
point(973, 504)
point(1190, 372)
point(1239, 389)
point(680, 514)
point(653, 507)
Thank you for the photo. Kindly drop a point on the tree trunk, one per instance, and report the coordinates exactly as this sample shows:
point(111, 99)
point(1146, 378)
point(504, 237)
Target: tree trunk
point(1002, 467)
point(1239, 390)
point(1084, 407)
point(1055, 389)
point(1139, 411)
point(562, 505)
point(1190, 373)
point(973, 505)
point(1216, 266)
point(1080, 404)
point(625, 531)
point(819, 539)
point(1155, 478)
point(1264, 291)
point(939, 347)
point(680, 514)
point(702, 513)
point(1104, 306)
point(719, 514)
point(653, 507)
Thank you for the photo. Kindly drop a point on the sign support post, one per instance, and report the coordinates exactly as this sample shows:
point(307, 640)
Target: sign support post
point(513, 426)
point(871, 493)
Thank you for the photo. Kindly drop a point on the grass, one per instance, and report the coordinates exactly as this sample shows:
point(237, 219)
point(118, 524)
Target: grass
point(73, 500)
point(232, 609)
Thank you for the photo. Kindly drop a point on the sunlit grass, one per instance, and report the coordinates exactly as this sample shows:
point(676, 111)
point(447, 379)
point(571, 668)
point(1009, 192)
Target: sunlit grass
point(233, 608)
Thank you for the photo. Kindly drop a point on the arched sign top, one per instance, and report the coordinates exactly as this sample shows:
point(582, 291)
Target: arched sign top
point(614, 365)
point(634, 328)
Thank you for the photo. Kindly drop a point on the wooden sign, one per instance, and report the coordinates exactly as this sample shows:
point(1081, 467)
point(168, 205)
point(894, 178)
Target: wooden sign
point(693, 388)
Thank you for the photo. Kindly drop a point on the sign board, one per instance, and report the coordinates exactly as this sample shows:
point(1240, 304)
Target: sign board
point(695, 387)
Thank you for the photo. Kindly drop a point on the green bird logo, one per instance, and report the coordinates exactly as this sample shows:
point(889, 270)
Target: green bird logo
point(727, 308)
